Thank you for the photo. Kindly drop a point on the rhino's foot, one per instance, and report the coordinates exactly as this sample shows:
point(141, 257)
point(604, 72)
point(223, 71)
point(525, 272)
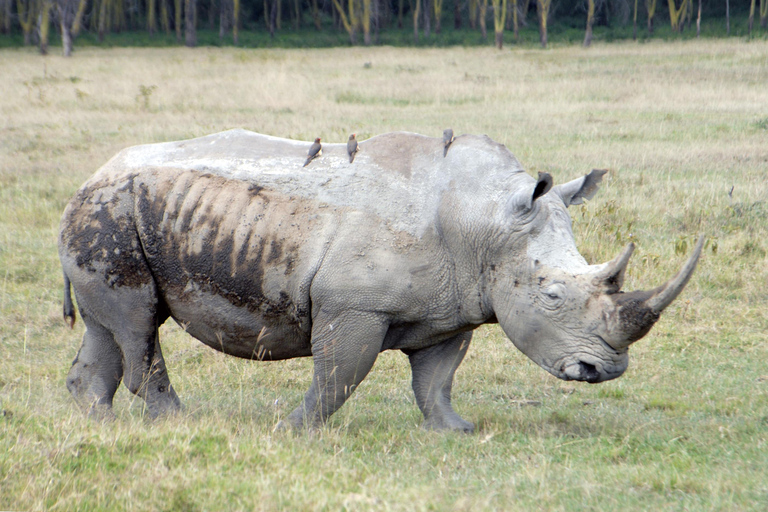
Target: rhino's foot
point(101, 412)
point(453, 422)
point(163, 404)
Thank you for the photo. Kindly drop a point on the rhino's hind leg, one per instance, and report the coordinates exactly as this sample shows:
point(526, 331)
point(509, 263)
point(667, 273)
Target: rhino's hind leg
point(344, 348)
point(96, 370)
point(433, 369)
point(145, 374)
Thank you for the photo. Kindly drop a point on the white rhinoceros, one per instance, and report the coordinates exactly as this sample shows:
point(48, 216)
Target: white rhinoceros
point(403, 249)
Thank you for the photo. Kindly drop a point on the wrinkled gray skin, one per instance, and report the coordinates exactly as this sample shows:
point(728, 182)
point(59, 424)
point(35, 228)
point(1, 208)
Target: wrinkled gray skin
point(404, 249)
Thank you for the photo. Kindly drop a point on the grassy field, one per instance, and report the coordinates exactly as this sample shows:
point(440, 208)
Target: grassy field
point(679, 125)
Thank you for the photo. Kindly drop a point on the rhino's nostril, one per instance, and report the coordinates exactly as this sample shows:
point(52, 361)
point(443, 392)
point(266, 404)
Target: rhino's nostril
point(589, 372)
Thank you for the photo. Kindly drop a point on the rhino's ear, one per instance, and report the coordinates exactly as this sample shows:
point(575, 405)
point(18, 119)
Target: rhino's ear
point(574, 192)
point(523, 200)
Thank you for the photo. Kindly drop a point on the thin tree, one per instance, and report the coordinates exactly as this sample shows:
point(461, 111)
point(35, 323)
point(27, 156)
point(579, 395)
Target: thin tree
point(26, 11)
point(763, 13)
point(650, 6)
point(698, 21)
point(236, 22)
point(316, 15)
point(427, 10)
point(77, 22)
point(438, 10)
point(473, 8)
point(676, 14)
point(190, 23)
point(590, 21)
point(481, 15)
point(416, 11)
point(751, 18)
point(6, 25)
point(727, 17)
point(65, 10)
point(457, 14)
point(348, 19)
point(366, 22)
point(164, 19)
point(515, 21)
point(224, 18)
point(634, 23)
point(499, 17)
point(543, 8)
point(103, 18)
point(44, 28)
point(151, 20)
point(177, 18)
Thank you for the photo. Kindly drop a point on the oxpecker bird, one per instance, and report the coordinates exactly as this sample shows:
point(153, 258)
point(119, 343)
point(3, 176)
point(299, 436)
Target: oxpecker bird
point(447, 140)
point(352, 147)
point(315, 150)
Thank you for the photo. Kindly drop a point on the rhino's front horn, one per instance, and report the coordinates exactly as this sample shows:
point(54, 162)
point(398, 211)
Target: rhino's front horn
point(639, 310)
point(611, 278)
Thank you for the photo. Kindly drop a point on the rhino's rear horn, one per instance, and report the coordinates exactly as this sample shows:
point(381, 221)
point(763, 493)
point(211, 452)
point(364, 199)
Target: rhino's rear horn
point(639, 310)
point(611, 278)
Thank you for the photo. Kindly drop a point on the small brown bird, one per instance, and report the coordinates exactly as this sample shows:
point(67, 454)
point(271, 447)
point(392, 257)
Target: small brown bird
point(315, 150)
point(352, 147)
point(447, 140)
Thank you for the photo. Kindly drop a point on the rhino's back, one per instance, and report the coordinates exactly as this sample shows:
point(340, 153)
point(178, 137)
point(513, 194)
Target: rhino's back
point(398, 177)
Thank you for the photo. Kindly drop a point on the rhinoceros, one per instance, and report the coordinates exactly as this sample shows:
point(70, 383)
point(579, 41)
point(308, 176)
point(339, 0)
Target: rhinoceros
point(403, 249)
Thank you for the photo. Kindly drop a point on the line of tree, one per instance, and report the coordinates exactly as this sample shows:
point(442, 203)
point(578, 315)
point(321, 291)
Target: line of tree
point(182, 17)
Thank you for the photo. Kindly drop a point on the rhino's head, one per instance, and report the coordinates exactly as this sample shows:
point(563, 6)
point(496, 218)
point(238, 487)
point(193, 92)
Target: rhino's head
point(569, 317)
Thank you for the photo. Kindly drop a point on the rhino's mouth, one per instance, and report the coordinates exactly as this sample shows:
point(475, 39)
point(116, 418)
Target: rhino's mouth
point(582, 371)
point(590, 369)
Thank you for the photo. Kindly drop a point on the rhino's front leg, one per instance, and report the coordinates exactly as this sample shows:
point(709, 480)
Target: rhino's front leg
point(433, 370)
point(344, 348)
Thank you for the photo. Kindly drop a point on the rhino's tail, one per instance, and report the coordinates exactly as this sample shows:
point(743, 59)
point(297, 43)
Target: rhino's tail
point(69, 308)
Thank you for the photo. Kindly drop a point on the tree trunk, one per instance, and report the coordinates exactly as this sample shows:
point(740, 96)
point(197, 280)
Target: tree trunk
point(416, 12)
point(316, 15)
point(634, 23)
point(366, 21)
point(499, 18)
point(751, 18)
point(438, 10)
point(515, 21)
point(272, 17)
point(543, 10)
point(483, 11)
point(164, 21)
point(235, 22)
point(223, 18)
point(7, 17)
point(66, 39)
point(427, 18)
point(763, 13)
point(177, 19)
point(727, 17)
point(151, 17)
point(457, 14)
point(102, 19)
point(590, 21)
point(65, 9)
point(45, 16)
point(698, 21)
point(26, 14)
point(190, 28)
point(651, 8)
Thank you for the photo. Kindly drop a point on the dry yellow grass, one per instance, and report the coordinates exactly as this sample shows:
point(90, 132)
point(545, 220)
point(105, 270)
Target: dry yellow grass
point(677, 123)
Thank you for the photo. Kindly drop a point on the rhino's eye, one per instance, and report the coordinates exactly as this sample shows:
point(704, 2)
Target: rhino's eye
point(554, 294)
